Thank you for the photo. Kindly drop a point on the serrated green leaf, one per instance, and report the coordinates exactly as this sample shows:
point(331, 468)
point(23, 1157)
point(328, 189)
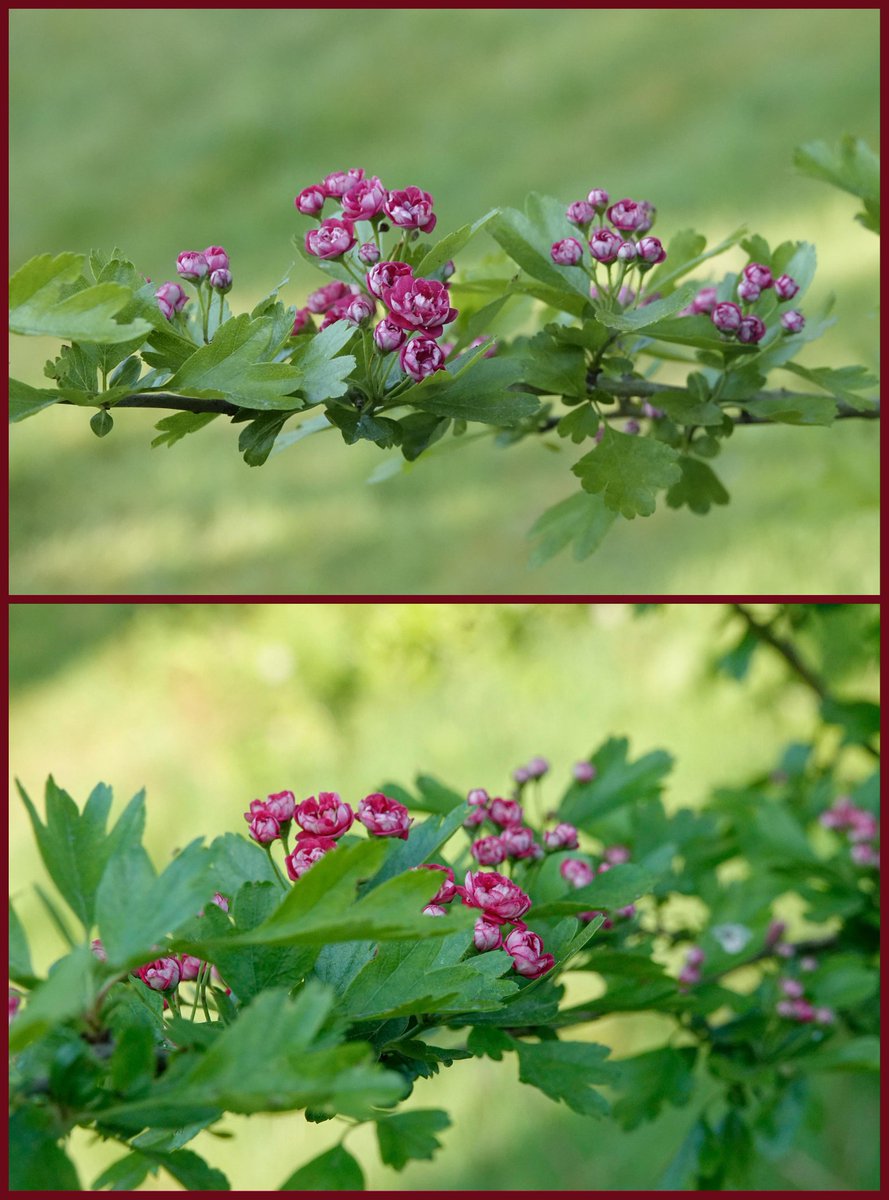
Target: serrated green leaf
point(618, 782)
point(173, 429)
point(686, 409)
point(579, 424)
point(25, 401)
point(249, 970)
point(617, 888)
point(528, 237)
point(20, 969)
point(322, 370)
point(568, 1071)
point(649, 1081)
point(410, 1135)
point(698, 331)
point(852, 166)
point(125, 1174)
point(258, 436)
point(479, 394)
point(628, 471)
point(190, 1170)
point(36, 305)
point(231, 368)
point(845, 383)
point(636, 319)
point(66, 993)
point(450, 245)
point(793, 409)
point(234, 861)
point(333, 1171)
point(552, 366)
point(698, 489)
point(582, 520)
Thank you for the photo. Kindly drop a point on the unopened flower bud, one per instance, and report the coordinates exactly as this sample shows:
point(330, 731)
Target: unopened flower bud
point(384, 817)
point(307, 851)
point(489, 851)
point(434, 910)
point(576, 872)
point(15, 1000)
point(632, 426)
point(220, 901)
point(748, 291)
point(505, 812)
point(221, 280)
point(786, 287)
point(475, 817)
point(563, 837)
point(584, 772)
point(793, 321)
point(518, 840)
point(388, 336)
point(263, 826)
point(526, 950)
point(808, 963)
point(99, 950)
point(217, 259)
point(581, 212)
point(486, 935)
point(361, 309)
point(825, 1016)
point(538, 767)
point(310, 201)
point(567, 253)
point(191, 265)
point(627, 251)
point(598, 197)
point(695, 956)
point(651, 250)
point(448, 269)
point(759, 274)
point(301, 320)
point(726, 317)
point(477, 796)
point(864, 855)
point(751, 330)
point(369, 254)
point(604, 244)
point(792, 988)
point(189, 967)
point(521, 775)
point(704, 301)
point(421, 357)
point(627, 215)
point(170, 298)
point(162, 975)
point(617, 854)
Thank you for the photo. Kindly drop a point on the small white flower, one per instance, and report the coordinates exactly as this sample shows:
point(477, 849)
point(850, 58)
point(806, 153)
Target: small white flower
point(732, 938)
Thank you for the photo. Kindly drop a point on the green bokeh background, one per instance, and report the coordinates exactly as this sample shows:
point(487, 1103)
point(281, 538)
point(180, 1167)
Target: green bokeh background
point(211, 705)
point(159, 130)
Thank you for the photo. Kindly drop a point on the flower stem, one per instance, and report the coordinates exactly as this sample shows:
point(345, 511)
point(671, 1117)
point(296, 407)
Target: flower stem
point(268, 849)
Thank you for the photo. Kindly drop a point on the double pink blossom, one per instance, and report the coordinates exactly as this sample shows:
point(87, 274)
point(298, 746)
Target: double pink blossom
point(384, 817)
point(419, 305)
point(526, 950)
point(384, 275)
point(325, 297)
point(629, 215)
point(192, 265)
point(310, 201)
point(505, 812)
point(518, 841)
point(421, 357)
point(327, 816)
point(162, 975)
point(489, 851)
point(307, 851)
point(499, 898)
point(365, 200)
point(576, 872)
point(411, 208)
point(331, 239)
point(563, 837)
point(264, 828)
point(338, 183)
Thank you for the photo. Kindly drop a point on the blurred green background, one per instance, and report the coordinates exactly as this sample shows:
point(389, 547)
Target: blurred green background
point(211, 705)
point(160, 130)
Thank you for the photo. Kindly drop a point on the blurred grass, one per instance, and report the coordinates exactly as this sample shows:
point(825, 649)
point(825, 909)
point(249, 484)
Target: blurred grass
point(210, 705)
point(158, 130)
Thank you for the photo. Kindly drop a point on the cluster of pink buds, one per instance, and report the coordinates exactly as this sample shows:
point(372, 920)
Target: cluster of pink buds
point(691, 968)
point(210, 266)
point(514, 841)
point(796, 1007)
point(418, 310)
point(739, 321)
point(503, 902)
point(862, 830)
point(336, 301)
point(360, 199)
point(579, 873)
point(535, 769)
point(623, 242)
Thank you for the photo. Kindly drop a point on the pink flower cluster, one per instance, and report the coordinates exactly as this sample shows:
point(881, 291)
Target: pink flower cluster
point(360, 199)
point(862, 830)
point(738, 320)
point(515, 840)
point(195, 266)
point(535, 769)
point(796, 1007)
point(321, 821)
point(624, 241)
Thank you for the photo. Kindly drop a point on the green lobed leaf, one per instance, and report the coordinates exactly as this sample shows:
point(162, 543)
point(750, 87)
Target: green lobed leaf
point(66, 993)
point(235, 860)
point(568, 1072)
point(249, 970)
point(528, 237)
point(333, 1171)
point(410, 1135)
point(636, 319)
point(174, 428)
point(321, 370)
point(552, 365)
point(480, 394)
point(37, 1163)
point(37, 305)
point(687, 409)
point(125, 1174)
point(852, 166)
point(20, 969)
point(793, 409)
point(628, 471)
point(581, 522)
point(258, 437)
point(698, 489)
point(25, 401)
point(231, 367)
point(617, 888)
point(845, 383)
point(450, 245)
point(618, 782)
point(649, 1081)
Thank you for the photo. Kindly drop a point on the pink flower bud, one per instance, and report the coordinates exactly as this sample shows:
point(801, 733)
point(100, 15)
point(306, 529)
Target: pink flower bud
point(518, 841)
point(567, 253)
point(301, 320)
point(189, 967)
point(217, 259)
point(632, 426)
point(695, 957)
point(365, 200)
point(598, 197)
point(384, 275)
point(388, 336)
point(627, 252)
point(434, 910)
point(864, 855)
point(411, 208)
point(563, 837)
point(162, 975)
point(486, 935)
point(576, 872)
point(328, 816)
point(774, 933)
point(758, 274)
point(792, 988)
point(475, 817)
point(220, 901)
point(489, 851)
point(825, 1016)
point(808, 963)
point(626, 296)
point(448, 269)
point(263, 826)
point(627, 215)
point(99, 950)
point(369, 254)
point(604, 244)
point(651, 250)
point(793, 321)
point(421, 357)
point(448, 889)
point(221, 280)
point(803, 1010)
point(704, 301)
point(538, 767)
point(325, 297)
point(628, 911)
point(581, 212)
point(384, 817)
point(498, 897)
point(726, 317)
point(477, 796)
point(689, 975)
point(360, 309)
point(340, 182)
point(863, 826)
point(786, 287)
point(281, 805)
point(192, 265)
point(521, 775)
point(785, 950)
point(751, 330)
point(505, 812)
point(419, 305)
point(584, 772)
point(784, 1008)
point(526, 950)
point(649, 410)
point(170, 298)
point(307, 851)
point(649, 212)
point(15, 1001)
point(748, 291)
point(310, 201)
point(331, 239)
point(617, 854)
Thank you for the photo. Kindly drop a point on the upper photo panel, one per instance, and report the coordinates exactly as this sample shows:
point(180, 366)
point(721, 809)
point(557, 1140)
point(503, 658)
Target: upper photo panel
point(444, 302)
